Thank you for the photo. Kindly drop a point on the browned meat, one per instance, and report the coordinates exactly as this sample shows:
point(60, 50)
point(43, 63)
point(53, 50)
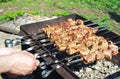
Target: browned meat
point(108, 54)
point(74, 37)
point(113, 48)
point(89, 58)
point(100, 55)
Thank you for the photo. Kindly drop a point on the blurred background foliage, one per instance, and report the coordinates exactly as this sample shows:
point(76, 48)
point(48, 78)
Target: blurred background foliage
point(107, 11)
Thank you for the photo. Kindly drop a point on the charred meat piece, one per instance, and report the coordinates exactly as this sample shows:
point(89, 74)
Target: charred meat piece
point(74, 37)
point(89, 58)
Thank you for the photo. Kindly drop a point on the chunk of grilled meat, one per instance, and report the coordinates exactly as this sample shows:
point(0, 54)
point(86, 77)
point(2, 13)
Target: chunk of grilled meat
point(74, 37)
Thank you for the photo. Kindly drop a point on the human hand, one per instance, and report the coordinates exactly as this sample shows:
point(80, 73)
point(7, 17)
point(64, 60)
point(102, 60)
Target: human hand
point(4, 51)
point(7, 51)
point(23, 63)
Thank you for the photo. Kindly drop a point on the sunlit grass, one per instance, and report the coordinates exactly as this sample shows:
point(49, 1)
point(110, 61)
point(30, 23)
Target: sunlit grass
point(91, 8)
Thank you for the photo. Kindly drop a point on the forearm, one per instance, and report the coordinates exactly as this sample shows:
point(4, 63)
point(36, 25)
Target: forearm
point(5, 64)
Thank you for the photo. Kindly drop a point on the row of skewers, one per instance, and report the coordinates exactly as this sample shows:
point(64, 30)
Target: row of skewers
point(74, 37)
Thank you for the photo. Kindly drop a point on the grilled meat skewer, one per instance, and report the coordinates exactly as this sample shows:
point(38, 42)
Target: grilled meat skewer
point(73, 36)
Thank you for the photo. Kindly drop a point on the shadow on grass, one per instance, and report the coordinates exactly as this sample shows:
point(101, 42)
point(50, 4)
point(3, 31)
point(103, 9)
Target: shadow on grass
point(5, 0)
point(114, 16)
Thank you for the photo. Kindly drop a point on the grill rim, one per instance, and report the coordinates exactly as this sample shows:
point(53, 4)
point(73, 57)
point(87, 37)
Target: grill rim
point(26, 30)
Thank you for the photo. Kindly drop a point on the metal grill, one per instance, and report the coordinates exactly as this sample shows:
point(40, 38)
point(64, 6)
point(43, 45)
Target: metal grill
point(56, 64)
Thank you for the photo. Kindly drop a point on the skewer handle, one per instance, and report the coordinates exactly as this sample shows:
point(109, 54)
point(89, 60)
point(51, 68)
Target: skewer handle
point(8, 43)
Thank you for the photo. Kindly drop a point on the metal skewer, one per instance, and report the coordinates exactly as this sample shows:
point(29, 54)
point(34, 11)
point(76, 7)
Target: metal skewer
point(43, 67)
point(45, 54)
point(113, 38)
point(8, 43)
point(31, 48)
point(67, 59)
point(100, 27)
point(117, 43)
point(44, 40)
point(103, 29)
point(90, 19)
point(71, 57)
point(26, 42)
point(95, 23)
point(74, 61)
point(45, 73)
point(25, 36)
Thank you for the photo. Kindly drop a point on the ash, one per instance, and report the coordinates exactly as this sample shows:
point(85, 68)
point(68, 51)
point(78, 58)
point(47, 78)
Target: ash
point(100, 70)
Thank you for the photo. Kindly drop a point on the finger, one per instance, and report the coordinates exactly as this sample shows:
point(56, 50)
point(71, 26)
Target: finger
point(37, 62)
point(35, 68)
point(7, 51)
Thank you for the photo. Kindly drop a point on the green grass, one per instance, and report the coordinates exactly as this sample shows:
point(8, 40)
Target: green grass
point(86, 8)
point(105, 5)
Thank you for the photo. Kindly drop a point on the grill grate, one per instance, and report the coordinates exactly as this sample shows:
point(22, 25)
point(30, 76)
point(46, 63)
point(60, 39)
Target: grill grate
point(43, 45)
